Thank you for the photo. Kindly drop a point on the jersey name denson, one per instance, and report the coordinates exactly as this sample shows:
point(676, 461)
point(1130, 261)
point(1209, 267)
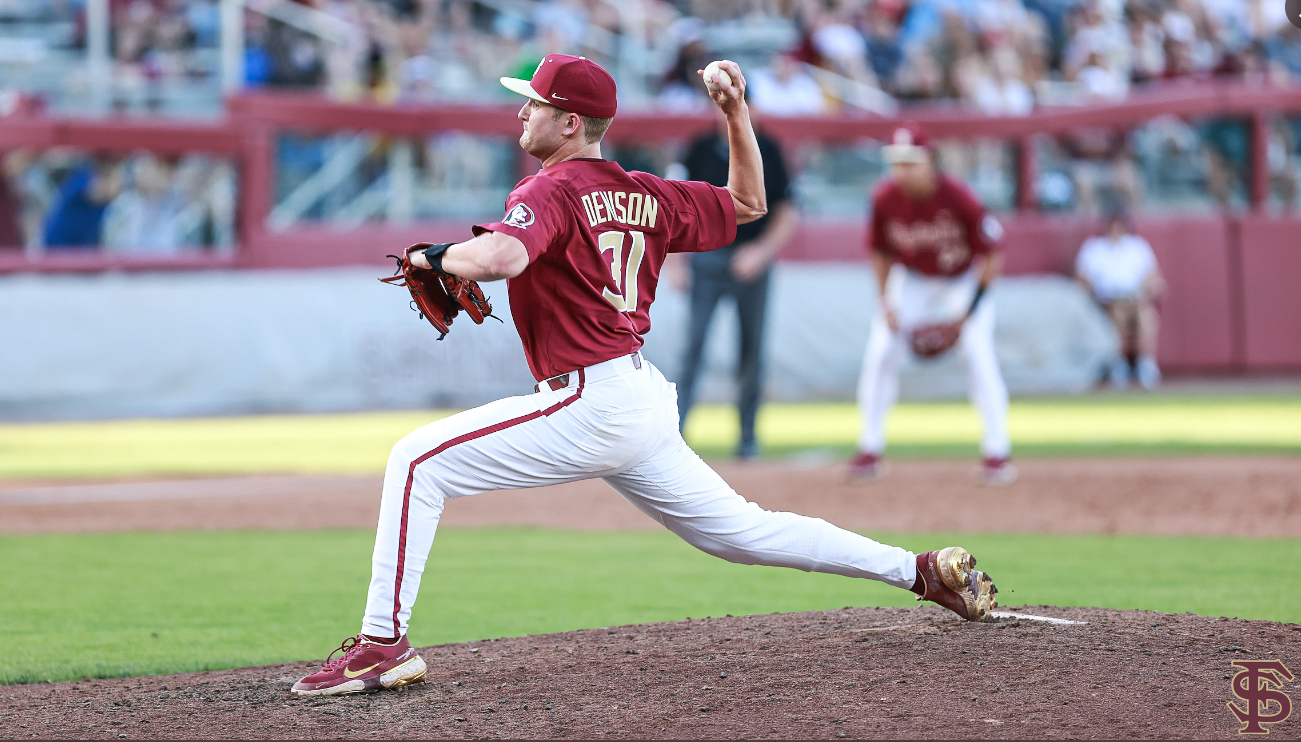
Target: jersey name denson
point(633, 209)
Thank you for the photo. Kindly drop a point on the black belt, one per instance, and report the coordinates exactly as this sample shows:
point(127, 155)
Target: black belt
point(556, 383)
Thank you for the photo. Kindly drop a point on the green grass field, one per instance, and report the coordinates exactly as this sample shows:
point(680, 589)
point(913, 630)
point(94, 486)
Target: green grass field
point(1108, 425)
point(129, 604)
point(133, 604)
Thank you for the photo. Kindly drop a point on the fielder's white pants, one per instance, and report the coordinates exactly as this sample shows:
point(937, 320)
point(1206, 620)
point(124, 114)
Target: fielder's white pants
point(919, 300)
point(615, 421)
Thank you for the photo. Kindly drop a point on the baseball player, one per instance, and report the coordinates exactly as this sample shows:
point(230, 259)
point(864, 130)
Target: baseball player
point(934, 249)
point(582, 244)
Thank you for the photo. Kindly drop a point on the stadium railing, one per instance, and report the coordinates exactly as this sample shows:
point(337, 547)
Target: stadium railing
point(1232, 271)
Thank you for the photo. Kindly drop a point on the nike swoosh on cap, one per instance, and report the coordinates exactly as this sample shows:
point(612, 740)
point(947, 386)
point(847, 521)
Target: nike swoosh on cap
point(352, 674)
point(561, 97)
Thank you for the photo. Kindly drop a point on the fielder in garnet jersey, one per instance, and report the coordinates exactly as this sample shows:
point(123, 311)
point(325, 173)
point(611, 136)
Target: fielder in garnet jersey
point(934, 249)
point(938, 236)
point(581, 246)
point(597, 238)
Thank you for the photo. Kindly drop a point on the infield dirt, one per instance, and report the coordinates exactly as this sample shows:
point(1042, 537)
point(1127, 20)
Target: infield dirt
point(856, 673)
point(1211, 496)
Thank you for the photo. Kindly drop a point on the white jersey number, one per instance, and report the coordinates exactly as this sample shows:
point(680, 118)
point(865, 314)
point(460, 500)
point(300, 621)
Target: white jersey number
point(627, 302)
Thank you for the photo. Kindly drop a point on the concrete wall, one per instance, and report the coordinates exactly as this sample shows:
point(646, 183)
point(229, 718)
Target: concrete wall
point(223, 342)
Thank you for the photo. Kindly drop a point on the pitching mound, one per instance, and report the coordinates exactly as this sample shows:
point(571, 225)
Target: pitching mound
point(857, 672)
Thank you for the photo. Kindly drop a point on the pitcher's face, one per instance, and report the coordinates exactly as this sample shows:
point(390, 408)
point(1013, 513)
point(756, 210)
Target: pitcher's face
point(543, 130)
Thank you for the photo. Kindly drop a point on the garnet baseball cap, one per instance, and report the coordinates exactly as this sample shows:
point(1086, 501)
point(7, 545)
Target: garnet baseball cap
point(574, 84)
point(908, 143)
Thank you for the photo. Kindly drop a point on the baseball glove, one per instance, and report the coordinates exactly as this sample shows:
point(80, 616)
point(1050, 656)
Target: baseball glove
point(439, 296)
point(929, 341)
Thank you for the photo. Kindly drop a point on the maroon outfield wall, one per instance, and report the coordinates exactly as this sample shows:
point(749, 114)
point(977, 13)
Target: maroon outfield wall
point(1233, 303)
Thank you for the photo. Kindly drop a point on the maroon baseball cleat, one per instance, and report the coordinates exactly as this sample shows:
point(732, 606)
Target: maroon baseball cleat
point(946, 577)
point(998, 472)
point(867, 467)
point(364, 665)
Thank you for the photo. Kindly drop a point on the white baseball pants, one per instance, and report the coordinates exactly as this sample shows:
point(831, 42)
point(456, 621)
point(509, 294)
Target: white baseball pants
point(919, 300)
point(616, 420)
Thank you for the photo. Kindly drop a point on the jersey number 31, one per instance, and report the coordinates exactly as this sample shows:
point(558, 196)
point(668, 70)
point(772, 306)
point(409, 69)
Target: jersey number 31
point(627, 302)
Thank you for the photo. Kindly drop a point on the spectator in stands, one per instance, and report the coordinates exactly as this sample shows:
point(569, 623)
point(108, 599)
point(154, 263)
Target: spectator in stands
point(840, 46)
point(884, 46)
point(1098, 81)
point(77, 215)
point(1283, 49)
point(920, 77)
point(1100, 40)
point(1119, 269)
point(296, 59)
point(997, 87)
point(680, 90)
point(741, 271)
point(146, 217)
point(1102, 167)
point(783, 89)
point(957, 51)
point(566, 20)
point(10, 214)
point(258, 62)
point(33, 190)
point(1147, 41)
point(1283, 141)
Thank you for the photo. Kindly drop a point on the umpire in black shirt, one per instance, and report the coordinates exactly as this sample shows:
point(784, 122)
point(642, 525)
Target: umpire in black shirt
point(740, 270)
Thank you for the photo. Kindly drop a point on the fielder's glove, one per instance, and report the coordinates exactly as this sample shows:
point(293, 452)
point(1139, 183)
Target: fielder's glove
point(439, 296)
point(929, 341)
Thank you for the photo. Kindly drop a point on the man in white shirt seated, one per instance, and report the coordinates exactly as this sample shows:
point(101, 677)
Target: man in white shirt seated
point(1119, 269)
point(783, 89)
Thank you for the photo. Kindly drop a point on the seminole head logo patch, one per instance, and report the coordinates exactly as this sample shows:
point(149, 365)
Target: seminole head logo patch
point(521, 216)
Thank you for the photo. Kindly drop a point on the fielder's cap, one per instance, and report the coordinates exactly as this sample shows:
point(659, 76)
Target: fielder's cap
point(908, 143)
point(574, 84)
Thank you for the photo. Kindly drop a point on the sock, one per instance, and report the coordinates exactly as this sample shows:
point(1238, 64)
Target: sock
point(919, 586)
point(385, 640)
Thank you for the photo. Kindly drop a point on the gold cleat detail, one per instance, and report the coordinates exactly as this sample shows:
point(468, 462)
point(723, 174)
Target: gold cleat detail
point(955, 567)
point(957, 571)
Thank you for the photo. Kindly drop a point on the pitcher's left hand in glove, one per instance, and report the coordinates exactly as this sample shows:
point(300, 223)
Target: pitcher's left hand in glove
point(929, 341)
point(437, 295)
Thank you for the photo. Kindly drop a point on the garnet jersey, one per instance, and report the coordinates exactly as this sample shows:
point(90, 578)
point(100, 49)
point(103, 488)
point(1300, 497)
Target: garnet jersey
point(936, 237)
point(597, 237)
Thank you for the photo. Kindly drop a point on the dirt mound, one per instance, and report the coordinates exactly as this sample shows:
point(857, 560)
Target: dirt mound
point(857, 672)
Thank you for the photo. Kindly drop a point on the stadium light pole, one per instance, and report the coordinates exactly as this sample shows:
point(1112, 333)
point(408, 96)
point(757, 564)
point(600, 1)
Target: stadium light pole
point(97, 56)
point(232, 46)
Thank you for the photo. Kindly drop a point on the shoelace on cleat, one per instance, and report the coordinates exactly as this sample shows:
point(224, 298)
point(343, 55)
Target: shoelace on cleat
point(349, 651)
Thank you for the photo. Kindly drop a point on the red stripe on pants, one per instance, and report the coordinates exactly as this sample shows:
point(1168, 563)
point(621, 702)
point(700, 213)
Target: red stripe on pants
point(411, 475)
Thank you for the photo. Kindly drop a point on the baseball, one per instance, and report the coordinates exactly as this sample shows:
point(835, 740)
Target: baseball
point(713, 69)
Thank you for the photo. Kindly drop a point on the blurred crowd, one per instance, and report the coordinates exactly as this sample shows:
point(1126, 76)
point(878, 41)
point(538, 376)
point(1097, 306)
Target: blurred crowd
point(802, 57)
point(142, 204)
point(1000, 56)
point(807, 56)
